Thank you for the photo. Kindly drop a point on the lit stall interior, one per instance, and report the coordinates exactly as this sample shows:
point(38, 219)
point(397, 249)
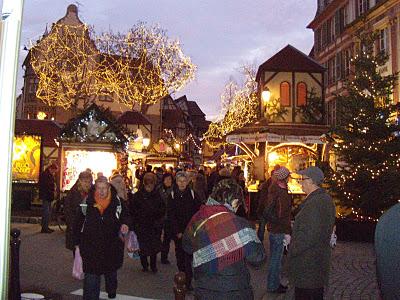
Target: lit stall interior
point(76, 161)
point(295, 157)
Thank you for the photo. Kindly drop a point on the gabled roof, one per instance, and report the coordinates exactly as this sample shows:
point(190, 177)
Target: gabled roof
point(49, 130)
point(290, 59)
point(194, 109)
point(133, 118)
point(94, 125)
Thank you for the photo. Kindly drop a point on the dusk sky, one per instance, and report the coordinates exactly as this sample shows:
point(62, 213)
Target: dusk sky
point(218, 35)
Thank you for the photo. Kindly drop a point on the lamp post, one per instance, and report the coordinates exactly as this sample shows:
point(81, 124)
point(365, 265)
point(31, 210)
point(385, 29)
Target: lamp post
point(10, 26)
point(265, 96)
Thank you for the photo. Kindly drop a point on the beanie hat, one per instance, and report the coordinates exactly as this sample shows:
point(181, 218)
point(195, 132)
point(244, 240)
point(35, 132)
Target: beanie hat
point(281, 173)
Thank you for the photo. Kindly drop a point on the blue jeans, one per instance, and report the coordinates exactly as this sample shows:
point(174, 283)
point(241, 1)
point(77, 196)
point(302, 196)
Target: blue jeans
point(261, 230)
point(274, 264)
point(91, 285)
point(46, 206)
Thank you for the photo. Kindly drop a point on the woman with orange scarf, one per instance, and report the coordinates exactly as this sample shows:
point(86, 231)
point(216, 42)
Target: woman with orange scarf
point(96, 233)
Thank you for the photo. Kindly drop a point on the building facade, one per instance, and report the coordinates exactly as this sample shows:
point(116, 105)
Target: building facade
point(336, 26)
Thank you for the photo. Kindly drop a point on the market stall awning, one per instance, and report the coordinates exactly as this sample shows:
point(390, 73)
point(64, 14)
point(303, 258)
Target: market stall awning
point(49, 130)
point(261, 131)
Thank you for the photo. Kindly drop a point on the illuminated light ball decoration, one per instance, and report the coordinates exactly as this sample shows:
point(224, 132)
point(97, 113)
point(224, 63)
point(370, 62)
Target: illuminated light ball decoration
point(142, 66)
point(77, 161)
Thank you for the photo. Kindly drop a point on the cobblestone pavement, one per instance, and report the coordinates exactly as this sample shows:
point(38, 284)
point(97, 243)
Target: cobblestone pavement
point(46, 267)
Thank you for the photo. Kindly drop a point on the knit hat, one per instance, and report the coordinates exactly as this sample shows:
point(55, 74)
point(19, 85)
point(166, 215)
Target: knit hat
point(281, 173)
point(181, 174)
point(227, 191)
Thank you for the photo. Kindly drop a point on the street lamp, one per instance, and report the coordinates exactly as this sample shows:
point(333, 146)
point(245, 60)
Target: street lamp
point(266, 95)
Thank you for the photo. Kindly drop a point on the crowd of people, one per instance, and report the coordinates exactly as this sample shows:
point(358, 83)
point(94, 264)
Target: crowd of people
point(204, 213)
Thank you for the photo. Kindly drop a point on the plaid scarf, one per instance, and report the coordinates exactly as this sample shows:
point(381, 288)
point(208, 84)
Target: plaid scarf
point(218, 238)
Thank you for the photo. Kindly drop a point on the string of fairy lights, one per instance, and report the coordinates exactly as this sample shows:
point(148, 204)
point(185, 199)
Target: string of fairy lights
point(141, 66)
point(190, 137)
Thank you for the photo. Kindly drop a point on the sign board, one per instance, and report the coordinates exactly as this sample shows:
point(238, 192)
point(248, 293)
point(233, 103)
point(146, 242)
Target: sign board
point(26, 158)
point(274, 138)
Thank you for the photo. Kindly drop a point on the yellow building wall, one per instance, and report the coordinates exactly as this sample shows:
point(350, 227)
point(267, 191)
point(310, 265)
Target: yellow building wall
point(274, 88)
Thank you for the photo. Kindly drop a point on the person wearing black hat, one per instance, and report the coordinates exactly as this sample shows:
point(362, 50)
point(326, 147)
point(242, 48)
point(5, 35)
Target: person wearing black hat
point(310, 251)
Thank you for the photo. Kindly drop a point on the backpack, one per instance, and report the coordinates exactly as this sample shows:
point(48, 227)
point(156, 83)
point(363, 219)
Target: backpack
point(83, 206)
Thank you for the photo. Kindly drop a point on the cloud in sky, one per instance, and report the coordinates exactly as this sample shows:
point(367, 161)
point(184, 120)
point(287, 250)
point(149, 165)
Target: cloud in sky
point(219, 36)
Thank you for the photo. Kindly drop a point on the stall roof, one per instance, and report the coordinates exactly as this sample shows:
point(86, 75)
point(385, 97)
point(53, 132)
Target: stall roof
point(47, 129)
point(261, 131)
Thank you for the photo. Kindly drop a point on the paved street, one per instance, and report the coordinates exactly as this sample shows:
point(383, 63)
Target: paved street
point(46, 268)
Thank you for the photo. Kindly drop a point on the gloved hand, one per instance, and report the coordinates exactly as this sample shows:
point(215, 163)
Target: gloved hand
point(286, 241)
point(333, 240)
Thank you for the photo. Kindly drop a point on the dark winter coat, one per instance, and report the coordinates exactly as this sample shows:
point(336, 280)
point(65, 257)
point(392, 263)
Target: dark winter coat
point(200, 187)
point(147, 211)
point(101, 248)
point(47, 186)
point(165, 194)
point(180, 209)
point(282, 201)
point(387, 248)
point(71, 204)
point(310, 251)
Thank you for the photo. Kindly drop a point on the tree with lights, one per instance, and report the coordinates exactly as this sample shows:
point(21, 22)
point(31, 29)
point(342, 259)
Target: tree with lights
point(75, 67)
point(240, 106)
point(65, 62)
point(145, 65)
point(367, 137)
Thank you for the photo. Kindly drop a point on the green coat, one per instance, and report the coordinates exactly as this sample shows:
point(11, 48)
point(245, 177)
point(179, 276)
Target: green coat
point(309, 251)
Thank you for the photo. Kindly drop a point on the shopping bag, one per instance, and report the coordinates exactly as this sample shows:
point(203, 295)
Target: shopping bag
point(132, 245)
point(77, 269)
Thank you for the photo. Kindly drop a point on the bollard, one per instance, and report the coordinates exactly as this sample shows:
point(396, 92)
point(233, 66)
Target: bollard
point(14, 292)
point(180, 286)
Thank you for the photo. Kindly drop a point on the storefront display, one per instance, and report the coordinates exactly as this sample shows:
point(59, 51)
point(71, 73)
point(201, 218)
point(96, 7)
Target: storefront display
point(76, 161)
point(295, 157)
point(26, 158)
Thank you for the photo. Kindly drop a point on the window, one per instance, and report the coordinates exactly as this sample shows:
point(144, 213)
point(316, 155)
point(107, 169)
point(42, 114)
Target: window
point(383, 41)
point(32, 85)
point(105, 98)
point(328, 31)
point(362, 7)
point(301, 94)
point(339, 21)
point(346, 56)
point(338, 66)
point(331, 70)
point(317, 40)
point(331, 112)
point(285, 93)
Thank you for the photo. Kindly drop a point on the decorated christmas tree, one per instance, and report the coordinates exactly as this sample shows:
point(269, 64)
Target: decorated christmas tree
point(367, 135)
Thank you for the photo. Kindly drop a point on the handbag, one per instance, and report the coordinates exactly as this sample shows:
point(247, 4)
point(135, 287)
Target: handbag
point(132, 245)
point(77, 269)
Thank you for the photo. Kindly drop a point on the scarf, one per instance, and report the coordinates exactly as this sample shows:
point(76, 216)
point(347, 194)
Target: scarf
point(102, 203)
point(218, 237)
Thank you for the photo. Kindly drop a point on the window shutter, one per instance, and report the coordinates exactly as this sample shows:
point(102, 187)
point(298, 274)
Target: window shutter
point(285, 93)
point(301, 94)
